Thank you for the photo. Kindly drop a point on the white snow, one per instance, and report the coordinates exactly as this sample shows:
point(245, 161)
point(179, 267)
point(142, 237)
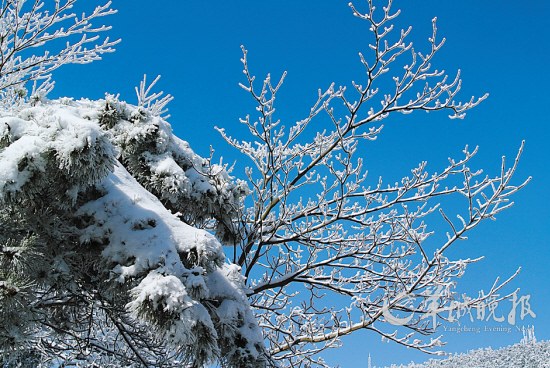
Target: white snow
point(140, 229)
point(173, 269)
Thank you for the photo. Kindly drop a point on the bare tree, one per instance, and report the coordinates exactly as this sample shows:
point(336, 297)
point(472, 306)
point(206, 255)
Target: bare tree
point(326, 250)
point(26, 25)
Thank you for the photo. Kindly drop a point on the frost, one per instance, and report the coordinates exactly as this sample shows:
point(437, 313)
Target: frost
point(531, 354)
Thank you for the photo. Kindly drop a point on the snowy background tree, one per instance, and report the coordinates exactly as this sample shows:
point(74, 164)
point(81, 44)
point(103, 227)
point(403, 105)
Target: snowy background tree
point(527, 353)
point(112, 227)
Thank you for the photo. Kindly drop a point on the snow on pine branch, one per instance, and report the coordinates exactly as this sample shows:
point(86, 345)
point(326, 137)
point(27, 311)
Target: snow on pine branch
point(104, 198)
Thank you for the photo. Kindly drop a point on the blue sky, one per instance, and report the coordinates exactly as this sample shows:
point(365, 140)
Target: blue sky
point(502, 50)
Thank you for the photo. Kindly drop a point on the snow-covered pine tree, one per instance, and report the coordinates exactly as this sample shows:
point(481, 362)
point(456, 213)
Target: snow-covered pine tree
point(100, 193)
point(98, 199)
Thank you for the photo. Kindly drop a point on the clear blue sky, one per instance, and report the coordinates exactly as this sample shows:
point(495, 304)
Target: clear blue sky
point(502, 49)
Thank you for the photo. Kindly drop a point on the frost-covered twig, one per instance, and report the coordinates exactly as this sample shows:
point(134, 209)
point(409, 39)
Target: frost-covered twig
point(153, 103)
point(318, 226)
point(26, 26)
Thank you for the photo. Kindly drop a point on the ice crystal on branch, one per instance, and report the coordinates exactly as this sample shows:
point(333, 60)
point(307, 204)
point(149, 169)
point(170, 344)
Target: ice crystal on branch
point(154, 103)
point(37, 24)
point(320, 229)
